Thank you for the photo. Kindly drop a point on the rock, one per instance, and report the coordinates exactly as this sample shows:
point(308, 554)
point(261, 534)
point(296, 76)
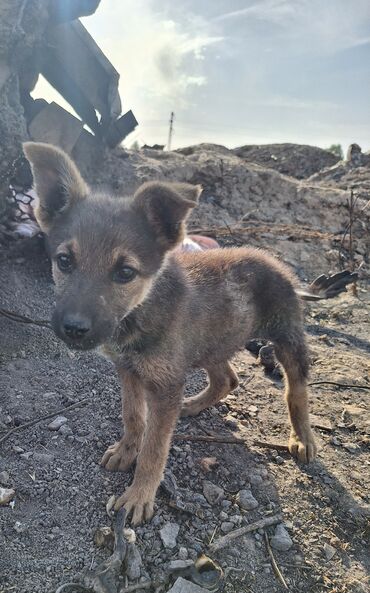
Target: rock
point(183, 553)
point(133, 562)
point(65, 430)
point(19, 527)
point(17, 449)
point(4, 478)
point(255, 479)
point(352, 447)
point(281, 540)
point(329, 551)
point(169, 533)
point(183, 586)
point(212, 492)
point(57, 423)
point(174, 565)
point(6, 495)
point(227, 526)
point(246, 500)
point(26, 455)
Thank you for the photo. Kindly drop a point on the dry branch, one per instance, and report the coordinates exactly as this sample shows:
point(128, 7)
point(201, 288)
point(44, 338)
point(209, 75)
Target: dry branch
point(274, 564)
point(224, 541)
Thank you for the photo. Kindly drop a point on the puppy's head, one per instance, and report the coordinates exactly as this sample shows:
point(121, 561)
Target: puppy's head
point(106, 251)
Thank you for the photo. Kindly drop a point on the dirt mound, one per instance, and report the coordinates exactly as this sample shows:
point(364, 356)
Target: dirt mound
point(296, 160)
point(245, 203)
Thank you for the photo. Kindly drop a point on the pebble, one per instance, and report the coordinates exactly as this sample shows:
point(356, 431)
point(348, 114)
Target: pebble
point(183, 586)
point(227, 526)
point(65, 430)
point(26, 455)
point(351, 447)
point(183, 553)
point(57, 423)
point(255, 479)
point(223, 516)
point(134, 562)
point(213, 493)
point(4, 478)
point(169, 533)
point(246, 500)
point(6, 495)
point(329, 551)
point(17, 449)
point(281, 540)
point(179, 564)
point(279, 460)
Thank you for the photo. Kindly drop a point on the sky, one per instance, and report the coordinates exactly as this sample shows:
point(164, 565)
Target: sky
point(240, 72)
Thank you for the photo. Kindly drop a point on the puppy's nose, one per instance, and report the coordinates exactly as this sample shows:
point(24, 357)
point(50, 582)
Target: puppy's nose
point(76, 327)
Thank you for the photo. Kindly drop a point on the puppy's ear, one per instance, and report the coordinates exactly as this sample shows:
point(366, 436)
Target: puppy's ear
point(166, 207)
point(57, 180)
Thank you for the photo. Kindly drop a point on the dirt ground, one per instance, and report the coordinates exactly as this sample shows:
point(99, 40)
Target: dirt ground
point(61, 491)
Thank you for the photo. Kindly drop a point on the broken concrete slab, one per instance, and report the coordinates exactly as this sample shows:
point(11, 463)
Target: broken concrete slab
point(55, 125)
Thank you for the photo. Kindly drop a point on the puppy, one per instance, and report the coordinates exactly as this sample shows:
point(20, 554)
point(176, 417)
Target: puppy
point(155, 312)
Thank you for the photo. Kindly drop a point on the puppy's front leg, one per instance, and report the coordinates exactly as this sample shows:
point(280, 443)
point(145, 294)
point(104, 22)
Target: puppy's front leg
point(163, 413)
point(120, 455)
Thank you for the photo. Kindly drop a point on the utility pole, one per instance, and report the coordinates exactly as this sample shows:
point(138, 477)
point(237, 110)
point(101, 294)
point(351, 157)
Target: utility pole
point(170, 131)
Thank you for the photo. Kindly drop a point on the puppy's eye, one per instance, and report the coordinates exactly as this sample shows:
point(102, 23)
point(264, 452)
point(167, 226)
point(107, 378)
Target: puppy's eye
point(64, 262)
point(123, 274)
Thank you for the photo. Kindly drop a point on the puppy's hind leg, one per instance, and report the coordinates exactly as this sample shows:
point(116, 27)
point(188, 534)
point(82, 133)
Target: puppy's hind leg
point(222, 380)
point(291, 352)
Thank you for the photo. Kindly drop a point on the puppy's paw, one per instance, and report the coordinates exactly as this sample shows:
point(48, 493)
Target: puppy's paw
point(139, 501)
point(304, 449)
point(120, 456)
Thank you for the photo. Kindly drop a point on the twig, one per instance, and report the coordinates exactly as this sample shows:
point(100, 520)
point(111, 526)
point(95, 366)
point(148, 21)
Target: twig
point(344, 385)
point(227, 440)
point(82, 402)
point(224, 541)
point(277, 570)
point(23, 318)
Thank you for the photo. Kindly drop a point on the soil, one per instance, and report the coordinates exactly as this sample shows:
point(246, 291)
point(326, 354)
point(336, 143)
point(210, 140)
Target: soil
point(47, 538)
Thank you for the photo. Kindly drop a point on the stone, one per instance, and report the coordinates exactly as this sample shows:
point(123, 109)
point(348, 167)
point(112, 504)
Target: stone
point(169, 533)
point(281, 539)
point(104, 537)
point(255, 479)
point(183, 553)
point(329, 551)
point(26, 455)
point(57, 423)
point(133, 562)
point(183, 586)
point(65, 430)
point(227, 526)
point(4, 478)
point(174, 565)
point(6, 495)
point(18, 449)
point(213, 493)
point(246, 500)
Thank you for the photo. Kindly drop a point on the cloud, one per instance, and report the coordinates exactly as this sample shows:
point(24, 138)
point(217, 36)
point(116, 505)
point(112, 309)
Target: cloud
point(157, 56)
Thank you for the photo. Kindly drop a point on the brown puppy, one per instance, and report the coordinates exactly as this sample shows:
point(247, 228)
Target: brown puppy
point(156, 314)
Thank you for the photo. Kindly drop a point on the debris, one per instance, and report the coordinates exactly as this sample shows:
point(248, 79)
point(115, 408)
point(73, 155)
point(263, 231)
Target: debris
point(169, 535)
point(4, 478)
point(227, 526)
point(6, 495)
point(214, 494)
point(19, 527)
point(246, 500)
point(57, 423)
point(329, 551)
point(224, 541)
point(275, 567)
point(175, 565)
point(104, 537)
point(183, 553)
point(281, 539)
point(351, 447)
point(208, 463)
point(133, 562)
point(183, 586)
point(110, 504)
point(130, 535)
